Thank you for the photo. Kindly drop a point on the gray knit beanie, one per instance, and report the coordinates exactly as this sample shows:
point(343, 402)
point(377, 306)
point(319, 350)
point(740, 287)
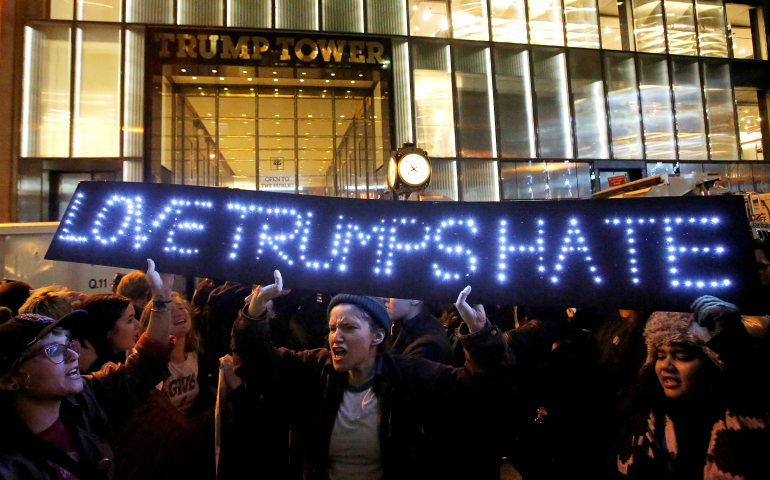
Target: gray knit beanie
point(666, 328)
point(374, 306)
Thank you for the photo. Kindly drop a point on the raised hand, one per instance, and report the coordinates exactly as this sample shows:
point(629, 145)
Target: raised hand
point(474, 316)
point(160, 285)
point(261, 295)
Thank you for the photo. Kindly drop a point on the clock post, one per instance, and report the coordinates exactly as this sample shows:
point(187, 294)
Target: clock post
point(409, 170)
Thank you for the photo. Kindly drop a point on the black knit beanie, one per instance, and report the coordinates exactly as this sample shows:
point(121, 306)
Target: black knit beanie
point(374, 306)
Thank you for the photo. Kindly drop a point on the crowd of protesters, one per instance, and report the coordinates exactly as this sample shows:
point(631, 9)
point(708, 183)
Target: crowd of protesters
point(260, 381)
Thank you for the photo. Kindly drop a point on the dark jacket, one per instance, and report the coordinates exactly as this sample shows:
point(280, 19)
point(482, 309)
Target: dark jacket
point(414, 394)
point(108, 396)
point(422, 336)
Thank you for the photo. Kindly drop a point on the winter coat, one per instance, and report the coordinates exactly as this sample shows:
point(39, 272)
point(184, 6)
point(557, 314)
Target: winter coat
point(421, 336)
point(415, 396)
point(108, 396)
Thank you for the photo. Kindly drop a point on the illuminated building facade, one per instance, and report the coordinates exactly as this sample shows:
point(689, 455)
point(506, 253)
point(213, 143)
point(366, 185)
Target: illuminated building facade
point(513, 100)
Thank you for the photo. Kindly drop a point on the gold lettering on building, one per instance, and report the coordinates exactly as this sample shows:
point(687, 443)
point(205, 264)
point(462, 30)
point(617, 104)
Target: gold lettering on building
point(210, 52)
point(374, 52)
point(239, 50)
point(261, 44)
point(285, 43)
point(331, 47)
point(357, 52)
point(299, 52)
point(164, 38)
point(186, 46)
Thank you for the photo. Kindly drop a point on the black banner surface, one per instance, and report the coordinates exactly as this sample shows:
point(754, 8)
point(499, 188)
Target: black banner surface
point(653, 254)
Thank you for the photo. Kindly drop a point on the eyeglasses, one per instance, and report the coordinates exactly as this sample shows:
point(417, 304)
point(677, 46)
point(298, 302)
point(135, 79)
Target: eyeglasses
point(57, 352)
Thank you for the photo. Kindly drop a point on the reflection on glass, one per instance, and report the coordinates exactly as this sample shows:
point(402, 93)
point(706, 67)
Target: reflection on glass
point(478, 180)
point(133, 130)
point(150, 11)
point(443, 178)
point(691, 129)
point(97, 93)
point(719, 111)
point(199, 12)
point(249, 13)
point(433, 100)
point(428, 18)
point(509, 21)
point(624, 106)
point(296, 14)
point(545, 22)
point(648, 26)
point(237, 135)
point(343, 15)
point(658, 168)
point(386, 16)
point(656, 108)
point(711, 28)
point(514, 97)
point(46, 98)
point(524, 181)
point(62, 9)
point(553, 120)
point(474, 102)
point(588, 97)
point(563, 180)
point(469, 19)
point(615, 21)
point(680, 21)
point(101, 11)
point(582, 23)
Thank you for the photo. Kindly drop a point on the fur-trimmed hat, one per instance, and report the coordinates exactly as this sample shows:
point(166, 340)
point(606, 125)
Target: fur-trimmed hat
point(666, 328)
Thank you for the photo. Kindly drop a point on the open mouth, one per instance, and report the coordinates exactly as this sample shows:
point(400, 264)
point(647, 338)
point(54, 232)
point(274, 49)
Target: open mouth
point(73, 374)
point(669, 382)
point(338, 353)
point(180, 321)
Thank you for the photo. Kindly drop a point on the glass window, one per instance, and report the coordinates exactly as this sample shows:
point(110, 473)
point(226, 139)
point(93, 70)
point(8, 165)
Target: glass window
point(97, 93)
point(343, 15)
point(478, 180)
point(656, 108)
point(545, 22)
point(659, 167)
point(648, 26)
point(401, 92)
point(746, 31)
point(691, 129)
point(562, 180)
point(588, 97)
point(428, 18)
point(443, 178)
point(134, 94)
point(433, 99)
point(584, 179)
point(615, 20)
point(296, 14)
point(711, 28)
point(525, 181)
point(199, 12)
point(680, 22)
point(249, 13)
point(553, 120)
point(624, 106)
point(62, 9)
point(101, 11)
point(386, 16)
point(509, 22)
point(749, 127)
point(514, 98)
point(46, 96)
point(469, 19)
point(150, 11)
point(474, 102)
point(582, 23)
point(719, 111)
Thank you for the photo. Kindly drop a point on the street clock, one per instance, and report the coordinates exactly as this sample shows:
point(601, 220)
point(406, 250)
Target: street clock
point(409, 169)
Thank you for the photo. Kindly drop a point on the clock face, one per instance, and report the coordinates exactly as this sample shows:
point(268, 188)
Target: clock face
point(392, 172)
point(414, 169)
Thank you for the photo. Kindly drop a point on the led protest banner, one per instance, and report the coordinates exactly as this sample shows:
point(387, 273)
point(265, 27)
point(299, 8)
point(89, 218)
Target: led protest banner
point(652, 254)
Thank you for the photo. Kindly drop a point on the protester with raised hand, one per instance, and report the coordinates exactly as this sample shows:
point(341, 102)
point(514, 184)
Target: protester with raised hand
point(55, 423)
point(358, 411)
